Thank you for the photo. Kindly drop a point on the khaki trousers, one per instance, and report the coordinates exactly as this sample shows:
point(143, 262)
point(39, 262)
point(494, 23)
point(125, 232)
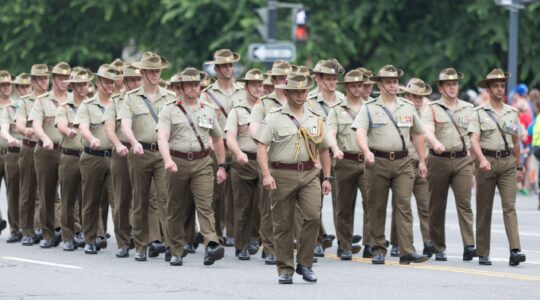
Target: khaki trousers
point(122, 199)
point(502, 176)
point(12, 187)
point(266, 229)
point(444, 173)
point(223, 202)
point(302, 190)
point(196, 176)
point(246, 190)
point(71, 189)
point(144, 169)
point(29, 205)
point(397, 175)
point(47, 163)
point(350, 176)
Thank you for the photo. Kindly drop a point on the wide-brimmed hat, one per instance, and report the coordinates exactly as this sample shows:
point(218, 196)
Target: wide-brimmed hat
point(22, 79)
point(109, 72)
point(40, 70)
point(448, 74)
point(5, 76)
point(296, 81)
point(224, 56)
point(304, 70)
point(494, 75)
point(330, 66)
point(252, 75)
point(118, 65)
point(353, 76)
point(190, 74)
point(151, 61)
point(267, 78)
point(130, 71)
point(61, 68)
point(367, 74)
point(206, 79)
point(281, 68)
point(417, 86)
point(388, 71)
point(80, 76)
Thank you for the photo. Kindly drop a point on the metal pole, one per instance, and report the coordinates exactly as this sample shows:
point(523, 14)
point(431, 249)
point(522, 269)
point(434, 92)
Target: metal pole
point(513, 47)
point(272, 20)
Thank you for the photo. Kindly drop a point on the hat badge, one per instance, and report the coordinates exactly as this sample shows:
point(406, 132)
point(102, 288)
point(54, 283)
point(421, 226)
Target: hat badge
point(228, 59)
point(64, 71)
point(193, 77)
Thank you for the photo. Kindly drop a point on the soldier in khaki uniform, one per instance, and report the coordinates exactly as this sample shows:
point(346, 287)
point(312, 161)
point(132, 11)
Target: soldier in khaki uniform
point(71, 148)
point(446, 122)
point(495, 142)
point(292, 140)
point(118, 65)
point(47, 152)
point(278, 75)
point(415, 91)
point(139, 116)
point(367, 86)
point(245, 171)
point(224, 93)
point(184, 129)
point(95, 160)
point(349, 166)
point(385, 127)
point(119, 163)
point(29, 203)
point(267, 83)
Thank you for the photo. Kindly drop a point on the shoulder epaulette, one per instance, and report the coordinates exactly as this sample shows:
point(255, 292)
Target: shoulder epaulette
point(171, 93)
point(479, 107)
point(209, 104)
point(24, 97)
point(276, 109)
point(171, 102)
point(407, 101)
point(43, 95)
point(513, 108)
point(133, 91)
point(371, 101)
point(206, 88)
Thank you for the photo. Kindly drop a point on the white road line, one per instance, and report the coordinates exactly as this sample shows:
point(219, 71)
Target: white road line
point(40, 262)
point(531, 262)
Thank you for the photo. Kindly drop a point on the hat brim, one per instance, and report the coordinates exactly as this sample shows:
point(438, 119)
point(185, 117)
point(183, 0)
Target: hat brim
point(402, 89)
point(236, 58)
point(248, 79)
point(345, 82)
point(309, 85)
point(80, 80)
point(142, 65)
point(484, 83)
point(377, 78)
point(110, 77)
point(460, 76)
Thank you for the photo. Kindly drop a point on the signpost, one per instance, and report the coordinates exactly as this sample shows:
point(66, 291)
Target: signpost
point(272, 51)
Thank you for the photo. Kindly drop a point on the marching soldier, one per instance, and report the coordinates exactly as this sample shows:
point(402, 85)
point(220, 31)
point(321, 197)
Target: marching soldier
point(118, 65)
point(139, 115)
point(71, 147)
point(47, 154)
point(349, 165)
point(495, 142)
point(244, 171)
point(95, 160)
point(224, 93)
point(291, 141)
point(184, 129)
point(119, 163)
point(446, 122)
point(367, 86)
point(384, 128)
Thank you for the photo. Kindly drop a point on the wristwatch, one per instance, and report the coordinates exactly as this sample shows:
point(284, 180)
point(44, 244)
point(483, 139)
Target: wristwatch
point(329, 178)
point(223, 165)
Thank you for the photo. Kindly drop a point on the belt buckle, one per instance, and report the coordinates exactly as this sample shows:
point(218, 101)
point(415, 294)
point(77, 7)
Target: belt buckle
point(153, 147)
point(300, 167)
point(392, 155)
point(360, 157)
point(190, 156)
point(498, 154)
point(452, 154)
point(107, 153)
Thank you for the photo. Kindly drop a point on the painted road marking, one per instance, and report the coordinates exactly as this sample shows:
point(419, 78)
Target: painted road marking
point(31, 261)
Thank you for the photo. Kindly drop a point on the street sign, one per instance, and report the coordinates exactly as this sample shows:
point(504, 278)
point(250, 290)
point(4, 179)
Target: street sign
point(272, 51)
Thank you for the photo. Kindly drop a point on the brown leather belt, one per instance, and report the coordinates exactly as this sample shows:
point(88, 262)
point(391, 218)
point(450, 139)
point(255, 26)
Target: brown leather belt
point(71, 152)
point(354, 156)
point(13, 149)
point(150, 146)
point(449, 154)
point(252, 156)
point(301, 166)
point(391, 155)
point(497, 154)
point(55, 145)
point(100, 153)
point(29, 143)
point(190, 155)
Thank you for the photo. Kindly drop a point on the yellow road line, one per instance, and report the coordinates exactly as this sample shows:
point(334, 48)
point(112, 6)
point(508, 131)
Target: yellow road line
point(448, 269)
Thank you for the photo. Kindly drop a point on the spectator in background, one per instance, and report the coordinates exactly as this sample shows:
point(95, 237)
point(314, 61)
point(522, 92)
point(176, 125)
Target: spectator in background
point(525, 120)
point(520, 94)
point(534, 98)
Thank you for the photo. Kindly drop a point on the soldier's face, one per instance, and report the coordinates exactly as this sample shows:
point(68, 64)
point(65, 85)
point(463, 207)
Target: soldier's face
point(449, 88)
point(224, 71)
point(177, 89)
point(255, 88)
point(5, 89)
point(105, 86)
point(355, 89)
point(279, 79)
point(80, 88)
point(132, 82)
point(388, 86)
point(367, 88)
point(24, 89)
point(497, 89)
point(191, 90)
point(296, 97)
point(41, 83)
point(59, 82)
point(418, 101)
point(329, 82)
point(152, 76)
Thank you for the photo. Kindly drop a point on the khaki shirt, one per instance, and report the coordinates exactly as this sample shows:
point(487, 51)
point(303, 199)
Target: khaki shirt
point(182, 137)
point(44, 110)
point(91, 113)
point(320, 106)
point(24, 106)
point(381, 133)
point(4, 111)
point(412, 150)
point(66, 113)
point(135, 109)
point(111, 114)
point(238, 122)
point(263, 107)
point(340, 120)
point(8, 118)
point(445, 131)
point(281, 134)
point(226, 101)
point(490, 136)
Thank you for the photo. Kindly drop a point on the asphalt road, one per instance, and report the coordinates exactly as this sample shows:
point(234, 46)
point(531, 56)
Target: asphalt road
point(31, 272)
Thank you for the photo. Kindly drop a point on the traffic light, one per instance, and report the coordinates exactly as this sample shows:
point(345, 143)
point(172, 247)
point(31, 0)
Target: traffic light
point(300, 26)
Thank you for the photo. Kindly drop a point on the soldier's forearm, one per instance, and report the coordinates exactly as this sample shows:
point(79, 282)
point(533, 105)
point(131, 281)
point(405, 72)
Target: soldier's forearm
point(262, 159)
point(219, 148)
point(326, 163)
point(20, 126)
point(110, 131)
point(419, 142)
